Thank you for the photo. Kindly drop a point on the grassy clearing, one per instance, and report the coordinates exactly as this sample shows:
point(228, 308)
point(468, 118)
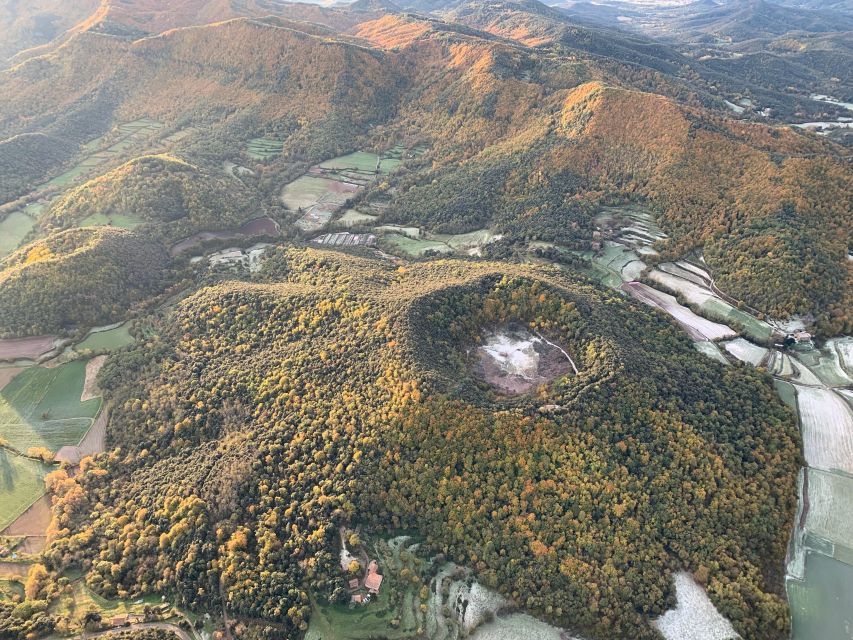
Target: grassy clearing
point(124, 221)
point(471, 242)
point(353, 218)
point(107, 340)
point(82, 599)
point(359, 160)
point(41, 407)
point(13, 229)
point(414, 247)
point(21, 484)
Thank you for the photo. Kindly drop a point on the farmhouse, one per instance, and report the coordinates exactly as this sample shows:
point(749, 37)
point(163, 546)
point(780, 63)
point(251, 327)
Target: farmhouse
point(798, 337)
point(373, 581)
point(118, 621)
point(357, 598)
point(354, 583)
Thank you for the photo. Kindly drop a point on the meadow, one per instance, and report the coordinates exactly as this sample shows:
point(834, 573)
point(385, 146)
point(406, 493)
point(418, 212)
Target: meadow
point(13, 229)
point(106, 339)
point(41, 407)
point(21, 484)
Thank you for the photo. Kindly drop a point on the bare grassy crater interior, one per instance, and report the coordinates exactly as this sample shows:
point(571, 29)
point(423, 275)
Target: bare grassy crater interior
point(515, 360)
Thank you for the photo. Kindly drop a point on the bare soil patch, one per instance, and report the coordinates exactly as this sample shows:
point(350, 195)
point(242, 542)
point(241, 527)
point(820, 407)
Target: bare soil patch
point(18, 348)
point(90, 384)
point(33, 521)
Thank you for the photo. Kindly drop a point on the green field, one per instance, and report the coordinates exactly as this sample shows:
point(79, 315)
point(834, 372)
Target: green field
point(21, 484)
point(413, 247)
point(352, 218)
point(263, 148)
point(41, 407)
point(821, 604)
point(13, 229)
point(107, 340)
point(462, 241)
point(359, 160)
point(113, 220)
point(721, 311)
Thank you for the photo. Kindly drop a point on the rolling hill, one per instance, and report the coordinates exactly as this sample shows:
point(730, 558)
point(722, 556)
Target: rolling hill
point(77, 278)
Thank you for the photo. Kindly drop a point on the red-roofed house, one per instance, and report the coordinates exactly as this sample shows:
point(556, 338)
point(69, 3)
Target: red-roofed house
point(373, 582)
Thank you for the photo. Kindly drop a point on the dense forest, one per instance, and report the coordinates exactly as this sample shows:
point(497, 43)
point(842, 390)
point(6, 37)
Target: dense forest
point(263, 416)
point(77, 278)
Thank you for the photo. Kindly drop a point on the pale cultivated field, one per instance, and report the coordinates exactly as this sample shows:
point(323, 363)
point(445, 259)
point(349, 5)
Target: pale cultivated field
point(747, 352)
point(827, 426)
point(90, 384)
point(694, 617)
point(830, 511)
point(698, 328)
point(711, 350)
point(692, 292)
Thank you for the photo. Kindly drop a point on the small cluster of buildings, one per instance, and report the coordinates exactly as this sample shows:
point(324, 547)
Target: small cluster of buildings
point(798, 337)
point(372, 583)
point(125, 619)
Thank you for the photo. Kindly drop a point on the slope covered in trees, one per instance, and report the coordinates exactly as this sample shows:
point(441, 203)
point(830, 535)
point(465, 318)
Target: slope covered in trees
point(159, 189)
point(767, 206)
point(265, 415)
point(80, 277)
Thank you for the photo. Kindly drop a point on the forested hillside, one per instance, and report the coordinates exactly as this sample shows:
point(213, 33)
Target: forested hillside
point(77, 278)
point(160, 190)
point(266, 415)
point(539, 137)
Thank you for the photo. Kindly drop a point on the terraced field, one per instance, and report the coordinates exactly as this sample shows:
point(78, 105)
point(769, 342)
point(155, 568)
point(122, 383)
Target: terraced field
point(264, 148)
point(125, 137)
point(327, 186)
